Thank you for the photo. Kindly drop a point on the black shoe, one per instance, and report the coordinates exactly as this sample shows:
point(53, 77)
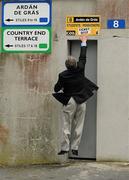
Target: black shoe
point(62, 152)
point(75, 152)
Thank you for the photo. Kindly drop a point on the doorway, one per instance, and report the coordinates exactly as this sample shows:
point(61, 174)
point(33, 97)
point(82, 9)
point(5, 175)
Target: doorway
point(87, 149)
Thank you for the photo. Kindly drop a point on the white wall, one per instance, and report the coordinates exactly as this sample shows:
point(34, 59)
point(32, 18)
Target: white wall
point(113, 104)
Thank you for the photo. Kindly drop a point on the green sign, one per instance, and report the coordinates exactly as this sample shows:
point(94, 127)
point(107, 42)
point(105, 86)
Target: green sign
point(26, 39)
point(0, 39)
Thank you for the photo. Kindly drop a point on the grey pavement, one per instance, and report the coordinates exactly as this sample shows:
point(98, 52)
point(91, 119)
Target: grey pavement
point(73, 170)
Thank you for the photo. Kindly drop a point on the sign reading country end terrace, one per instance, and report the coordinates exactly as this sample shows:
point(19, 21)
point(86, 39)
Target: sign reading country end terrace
point(27, 40)
point(77, 25)
point(26, 13)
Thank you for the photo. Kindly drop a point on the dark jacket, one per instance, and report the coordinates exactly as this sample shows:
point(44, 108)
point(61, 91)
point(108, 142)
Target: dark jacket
point(74, 83)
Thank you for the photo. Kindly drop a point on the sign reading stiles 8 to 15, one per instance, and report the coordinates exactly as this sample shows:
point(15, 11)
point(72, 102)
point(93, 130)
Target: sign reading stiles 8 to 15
point(26, 13)
point(77, 25)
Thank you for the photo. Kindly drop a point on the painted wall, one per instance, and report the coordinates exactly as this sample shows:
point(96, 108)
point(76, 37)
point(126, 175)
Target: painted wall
point(113, 104)
point(30, 118)
point(113, 80)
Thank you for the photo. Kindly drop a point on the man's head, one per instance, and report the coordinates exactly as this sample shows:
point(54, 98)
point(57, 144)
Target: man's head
point(71, 63)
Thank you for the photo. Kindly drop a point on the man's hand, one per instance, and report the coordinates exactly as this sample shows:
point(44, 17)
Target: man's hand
point(83, 37)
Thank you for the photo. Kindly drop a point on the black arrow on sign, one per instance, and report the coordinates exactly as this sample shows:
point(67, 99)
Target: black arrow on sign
point(8, 45)
point(9, 20)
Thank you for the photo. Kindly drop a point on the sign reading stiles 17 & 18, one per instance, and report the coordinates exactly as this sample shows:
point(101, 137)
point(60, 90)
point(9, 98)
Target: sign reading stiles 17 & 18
point(26, 13)
point(77, 25)
point(27, 40)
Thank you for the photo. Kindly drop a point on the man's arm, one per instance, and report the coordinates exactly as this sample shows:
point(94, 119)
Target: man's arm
point(58, 86)
point(82, 57)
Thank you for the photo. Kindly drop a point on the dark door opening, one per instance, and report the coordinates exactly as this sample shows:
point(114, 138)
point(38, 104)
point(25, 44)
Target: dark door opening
point(87, 149)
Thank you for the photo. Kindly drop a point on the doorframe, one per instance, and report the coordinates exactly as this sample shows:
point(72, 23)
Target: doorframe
point(69, 45)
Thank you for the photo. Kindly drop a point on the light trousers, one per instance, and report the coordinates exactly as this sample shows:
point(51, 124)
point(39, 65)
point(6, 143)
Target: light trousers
point(73, 119)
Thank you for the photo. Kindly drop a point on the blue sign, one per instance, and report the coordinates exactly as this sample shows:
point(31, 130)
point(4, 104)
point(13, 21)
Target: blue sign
point(116, 24)
point(26, 13)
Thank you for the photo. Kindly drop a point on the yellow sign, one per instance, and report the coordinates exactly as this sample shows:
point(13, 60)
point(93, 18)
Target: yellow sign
point(77, 25)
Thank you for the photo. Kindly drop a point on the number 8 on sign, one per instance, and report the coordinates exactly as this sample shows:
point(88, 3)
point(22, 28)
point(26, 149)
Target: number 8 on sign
point(116, 24)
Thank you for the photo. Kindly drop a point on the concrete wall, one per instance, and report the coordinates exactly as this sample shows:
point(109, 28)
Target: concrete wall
point(113, 104)
point(30, 123)
point(28, 112)
point(113, 80)
point(113, 9)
